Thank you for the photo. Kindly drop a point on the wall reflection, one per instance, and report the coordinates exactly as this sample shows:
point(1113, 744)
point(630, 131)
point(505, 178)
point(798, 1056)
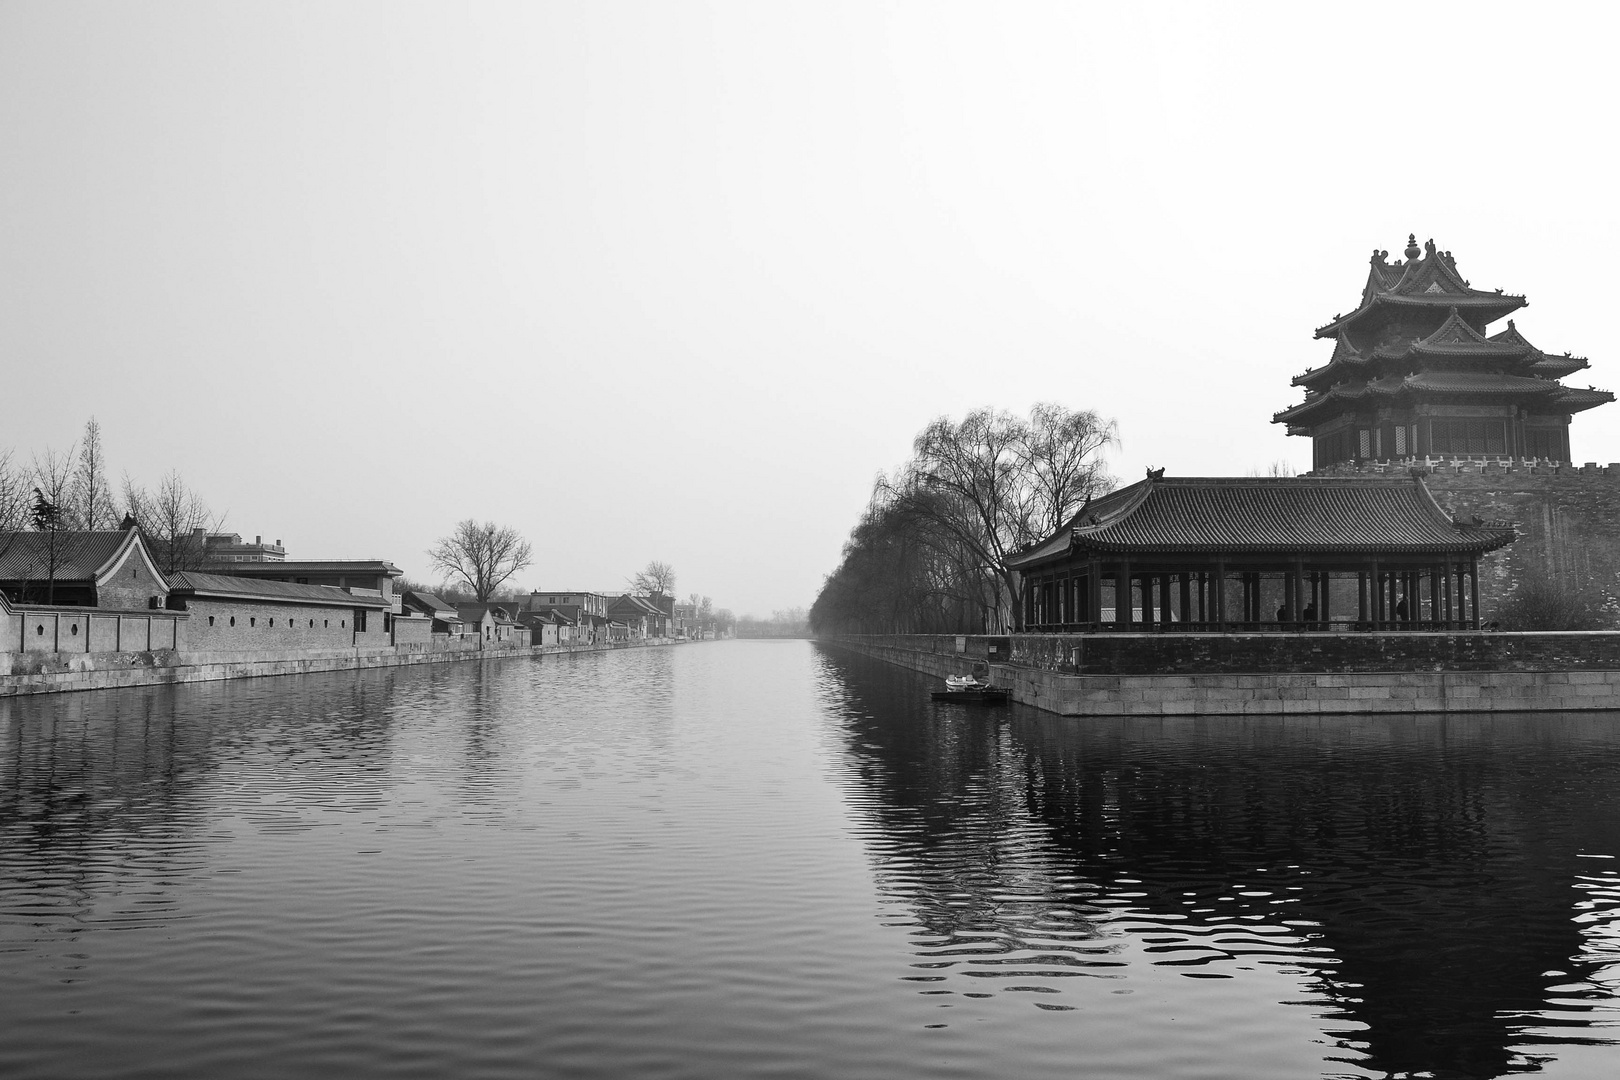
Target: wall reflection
point(1438, 886)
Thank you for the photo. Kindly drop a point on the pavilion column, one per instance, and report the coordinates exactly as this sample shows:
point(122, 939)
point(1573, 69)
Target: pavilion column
point(1166, 603)
point(1148, 615)
point(1435, 614)
point(1095, 614)
point(1218, 601)
point(1325, 589)
point(1377, 598)
point(1122, 594)
point(1296, 611)
point(1186, 597)
point(1361, 597)
point(1473, 590)
point(1445, 591)
point(1203, 596)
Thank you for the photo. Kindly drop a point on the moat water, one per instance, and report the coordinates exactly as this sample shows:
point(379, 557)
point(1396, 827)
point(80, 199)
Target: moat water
point(766, 859)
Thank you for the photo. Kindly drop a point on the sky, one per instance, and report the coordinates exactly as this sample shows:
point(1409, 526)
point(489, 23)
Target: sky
point(675, 281)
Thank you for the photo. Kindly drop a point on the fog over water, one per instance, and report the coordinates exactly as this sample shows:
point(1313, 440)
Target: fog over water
point(673, 281)
point(768, 858)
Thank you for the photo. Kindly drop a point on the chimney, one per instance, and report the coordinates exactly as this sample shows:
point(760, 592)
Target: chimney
point(257, 539)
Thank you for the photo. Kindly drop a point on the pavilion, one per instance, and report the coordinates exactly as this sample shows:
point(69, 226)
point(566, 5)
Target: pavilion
point(1214, 554)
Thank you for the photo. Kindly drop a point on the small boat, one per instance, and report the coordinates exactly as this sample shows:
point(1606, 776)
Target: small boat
point(966, 690)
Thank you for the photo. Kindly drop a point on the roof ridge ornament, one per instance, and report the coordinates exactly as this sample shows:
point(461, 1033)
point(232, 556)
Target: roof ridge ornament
point(1412, 250)
point(1156, 474)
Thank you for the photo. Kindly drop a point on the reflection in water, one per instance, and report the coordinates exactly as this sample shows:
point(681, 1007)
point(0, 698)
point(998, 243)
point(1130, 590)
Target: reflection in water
point(1443, 890)
point(666, 863)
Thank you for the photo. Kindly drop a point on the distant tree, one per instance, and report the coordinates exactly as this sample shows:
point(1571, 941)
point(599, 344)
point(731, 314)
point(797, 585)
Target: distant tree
point(14, 500)
point(480, 556)
point(173, 519)
point(657, 577)
point(724, 621)
point(90, 494)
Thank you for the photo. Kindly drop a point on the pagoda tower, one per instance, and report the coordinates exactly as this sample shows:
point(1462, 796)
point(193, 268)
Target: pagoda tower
point(1414, 375)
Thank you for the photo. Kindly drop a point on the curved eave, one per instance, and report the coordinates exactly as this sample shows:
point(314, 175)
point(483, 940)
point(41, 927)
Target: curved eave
point(1478, 544)
point(1574, 401)
point(1498, 303)
point(1556, 367)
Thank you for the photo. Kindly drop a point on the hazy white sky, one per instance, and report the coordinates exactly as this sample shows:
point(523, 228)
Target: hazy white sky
point(675, 280)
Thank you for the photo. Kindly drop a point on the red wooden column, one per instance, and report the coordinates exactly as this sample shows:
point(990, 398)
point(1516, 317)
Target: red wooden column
point(1122, 594)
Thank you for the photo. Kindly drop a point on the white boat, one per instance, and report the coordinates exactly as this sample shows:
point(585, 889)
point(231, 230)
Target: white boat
point(963, 682)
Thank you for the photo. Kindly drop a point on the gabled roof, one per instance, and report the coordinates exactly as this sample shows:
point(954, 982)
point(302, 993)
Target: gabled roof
point(1345, 362)
point(82, 556)
point(1455, 337)
point(430, 602)
point(1547, 367)
point(1432, 281)
point(1299, 515)
point(229, 587)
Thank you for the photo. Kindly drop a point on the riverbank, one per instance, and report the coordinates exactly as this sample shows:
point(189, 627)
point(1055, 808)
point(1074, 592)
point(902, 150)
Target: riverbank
point(59, 672)
point(1275, 674)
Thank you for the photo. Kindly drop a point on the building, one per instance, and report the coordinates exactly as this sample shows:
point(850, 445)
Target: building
point(240, 614)
point(643, 617)
point(446, 620)
point(224, 548)
point(1238, 555)
point(103, 568)
point(1415, 373)
point(362, 577)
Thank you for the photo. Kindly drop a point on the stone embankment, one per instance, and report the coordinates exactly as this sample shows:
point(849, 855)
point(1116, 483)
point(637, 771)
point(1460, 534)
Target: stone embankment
point(1275, 674)
point(56, 672)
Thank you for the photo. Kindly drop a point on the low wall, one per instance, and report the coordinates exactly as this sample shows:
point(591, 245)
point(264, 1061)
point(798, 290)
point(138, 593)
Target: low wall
point(1249, 675)
point(50, 673)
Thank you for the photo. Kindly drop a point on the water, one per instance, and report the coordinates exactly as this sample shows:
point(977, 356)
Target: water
point(762, 859)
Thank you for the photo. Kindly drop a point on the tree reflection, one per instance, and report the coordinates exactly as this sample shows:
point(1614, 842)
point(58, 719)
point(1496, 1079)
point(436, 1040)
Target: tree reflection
point(1419, 874)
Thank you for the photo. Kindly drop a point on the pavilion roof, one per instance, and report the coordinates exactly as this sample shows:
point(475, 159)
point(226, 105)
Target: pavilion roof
point(1547, 367)
point(1290, 516)
point(1430, 282)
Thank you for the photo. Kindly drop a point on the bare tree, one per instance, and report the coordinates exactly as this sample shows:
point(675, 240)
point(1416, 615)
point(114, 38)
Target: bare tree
point(53, 478)
point(173, 519)
point(656, 578)
point(996, 483)
point(89, 493)
point(481, 556)
point(14, 492)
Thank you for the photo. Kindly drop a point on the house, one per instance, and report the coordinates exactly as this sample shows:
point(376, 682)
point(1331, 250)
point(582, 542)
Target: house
point(644, 617)
point(686, 621)
point(237, 614)
point(446, 620)
point(102, 568)
point(544, 626)
point(495, 622)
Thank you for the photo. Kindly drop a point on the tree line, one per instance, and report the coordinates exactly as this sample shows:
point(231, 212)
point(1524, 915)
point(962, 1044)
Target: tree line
point(929, 553)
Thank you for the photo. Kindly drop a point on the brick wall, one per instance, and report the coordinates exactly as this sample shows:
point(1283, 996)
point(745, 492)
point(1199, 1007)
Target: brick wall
point(260, 626)
point(1567, 518)
point(131, 586)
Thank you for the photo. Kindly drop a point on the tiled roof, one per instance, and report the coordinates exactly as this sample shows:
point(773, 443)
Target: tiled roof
point(431, 602)
point(1432, 281)
point(1573, 400)
point(226, 587)
point(79, 554)
point(1304, 515)
point(321, 566)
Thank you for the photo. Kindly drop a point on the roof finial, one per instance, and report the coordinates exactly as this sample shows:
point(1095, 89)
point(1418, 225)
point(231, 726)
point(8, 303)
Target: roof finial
point(1412, 250)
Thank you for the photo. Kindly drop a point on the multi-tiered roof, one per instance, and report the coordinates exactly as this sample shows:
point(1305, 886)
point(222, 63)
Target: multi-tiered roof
point(1415, 350)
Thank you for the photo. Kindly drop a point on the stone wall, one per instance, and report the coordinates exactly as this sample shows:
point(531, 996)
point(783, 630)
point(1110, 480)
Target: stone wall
point(1567, 518)
point(1559, 672)
point(24, 673)
point(131, 585)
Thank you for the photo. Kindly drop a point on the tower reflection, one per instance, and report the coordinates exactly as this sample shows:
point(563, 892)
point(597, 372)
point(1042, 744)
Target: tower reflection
point(1439, 886)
